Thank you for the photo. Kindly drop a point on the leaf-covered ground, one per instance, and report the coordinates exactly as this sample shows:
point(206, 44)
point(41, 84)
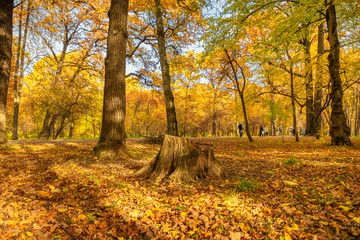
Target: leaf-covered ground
point(275, 189)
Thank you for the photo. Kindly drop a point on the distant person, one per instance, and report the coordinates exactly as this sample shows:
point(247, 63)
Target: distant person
point(266, 131)
point(241, 127)
point(261, 131)
point(304, 132)
point(293, 131)
point(280, 131)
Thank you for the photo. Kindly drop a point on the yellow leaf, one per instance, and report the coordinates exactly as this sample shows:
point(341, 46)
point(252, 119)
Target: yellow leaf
point(287, 236)
point(293, 227)
point(43, 194)
point(81, 217)
point(345, 208)
point(356, 219)
point(29, 234)
point(244, 227)
point(324, 223)
point(61, 210)
point(51, 187)
point(211, 187)
point(290, 183)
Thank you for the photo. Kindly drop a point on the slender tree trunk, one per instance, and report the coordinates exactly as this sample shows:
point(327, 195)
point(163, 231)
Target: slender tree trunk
point(319, 81)
point(62, 125)
point(71, 130)
point(6, 16)
point(18, 87)
point(16, 75)
point(340, 132)
point(52, 126)
point(214, 114)
point(293, 104)
point(357, 111)
point(273, 116)
point(245, 117)
point(112, 137)
point(172, 128)
point(240, 91)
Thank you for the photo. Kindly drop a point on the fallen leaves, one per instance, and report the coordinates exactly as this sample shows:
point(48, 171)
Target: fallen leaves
point(58, 191)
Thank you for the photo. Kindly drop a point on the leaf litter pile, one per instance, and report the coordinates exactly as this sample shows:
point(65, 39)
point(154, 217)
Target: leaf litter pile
point(274, 189)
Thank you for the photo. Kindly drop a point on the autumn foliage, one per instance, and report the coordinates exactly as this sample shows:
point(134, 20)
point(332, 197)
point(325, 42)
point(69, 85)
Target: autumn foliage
point(274, 189)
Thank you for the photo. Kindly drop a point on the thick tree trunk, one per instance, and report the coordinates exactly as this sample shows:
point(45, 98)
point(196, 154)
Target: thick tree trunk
point(6, 15)
point(310, 128)
point(18, 86)
point(46, 131)
point(180, 159)
point(319, 81)
point(340, 132)
point(172, 128)
point(112, 137)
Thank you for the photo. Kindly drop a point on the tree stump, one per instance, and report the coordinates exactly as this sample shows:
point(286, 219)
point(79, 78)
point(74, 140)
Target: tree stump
point(180, 159)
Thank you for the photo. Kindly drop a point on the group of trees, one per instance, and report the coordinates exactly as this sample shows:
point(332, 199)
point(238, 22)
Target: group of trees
point(197, 68)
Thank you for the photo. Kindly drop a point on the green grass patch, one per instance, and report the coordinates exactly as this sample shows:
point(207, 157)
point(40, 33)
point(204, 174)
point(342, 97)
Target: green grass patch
point(291, 161)
point(246, 186)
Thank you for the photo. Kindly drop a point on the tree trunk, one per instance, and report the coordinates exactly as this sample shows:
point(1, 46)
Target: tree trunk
point(45, 131)
point(340, 132)
point(240, 91)
point(172, 128)
point(6, 16)
point(319, 81)
point(71, 130)
point(18, 86)
point(214, 113)
point(245, 118)
point(310, 128)
point(293, 104)
point(180, 159)
point(16, 71)
point(112, 137)
point(62, 125)
point(273, 115)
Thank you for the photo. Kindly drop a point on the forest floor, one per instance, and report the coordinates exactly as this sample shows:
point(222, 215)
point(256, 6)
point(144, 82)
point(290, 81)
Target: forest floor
point(275, 189)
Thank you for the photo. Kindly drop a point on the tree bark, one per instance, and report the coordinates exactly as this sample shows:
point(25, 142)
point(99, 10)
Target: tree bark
point(112, 137)
point(18, 86)
point(340, 132)
point(45, 131)
point(214, 113)
point(310, 128)
point(6, 16)
point(172, 128)
point(179, 159)
point(319, 80)
point(293, 104)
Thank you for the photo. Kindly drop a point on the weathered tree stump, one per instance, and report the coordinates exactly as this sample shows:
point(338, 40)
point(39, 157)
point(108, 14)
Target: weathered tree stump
point(180, 159)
